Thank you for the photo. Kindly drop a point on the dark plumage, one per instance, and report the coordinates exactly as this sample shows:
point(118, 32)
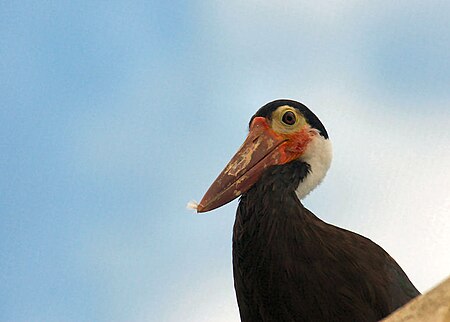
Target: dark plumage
point(288, 264)
point(291, 266)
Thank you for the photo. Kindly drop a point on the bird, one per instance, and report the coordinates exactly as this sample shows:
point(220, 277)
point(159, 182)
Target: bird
point(288, 264)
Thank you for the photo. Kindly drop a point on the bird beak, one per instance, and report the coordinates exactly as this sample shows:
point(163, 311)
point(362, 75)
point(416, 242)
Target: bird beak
point(261, 149)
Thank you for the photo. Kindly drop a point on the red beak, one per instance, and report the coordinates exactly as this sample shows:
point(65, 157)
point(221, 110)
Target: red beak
point(261, 149)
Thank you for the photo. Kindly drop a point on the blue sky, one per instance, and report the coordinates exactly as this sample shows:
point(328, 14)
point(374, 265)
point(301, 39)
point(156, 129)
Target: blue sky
point(114, 115)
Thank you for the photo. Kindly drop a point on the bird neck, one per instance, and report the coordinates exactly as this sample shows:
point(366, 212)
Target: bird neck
point(318, 156)
point(275, 190)
point(270, 216)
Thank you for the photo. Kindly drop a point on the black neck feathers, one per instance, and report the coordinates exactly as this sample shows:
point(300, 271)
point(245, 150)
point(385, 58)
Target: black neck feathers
point(291, 266)
point(275, 188)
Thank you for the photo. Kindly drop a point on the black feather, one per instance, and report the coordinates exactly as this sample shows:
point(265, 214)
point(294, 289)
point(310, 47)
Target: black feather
point(291, 266)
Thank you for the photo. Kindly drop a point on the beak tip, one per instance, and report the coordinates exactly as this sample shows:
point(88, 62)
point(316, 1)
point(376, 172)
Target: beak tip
point(204, 207)
point(205, 204)
point(193, 205)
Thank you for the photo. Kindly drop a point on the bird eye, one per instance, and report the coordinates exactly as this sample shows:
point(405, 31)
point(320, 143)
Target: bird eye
point(289, 118)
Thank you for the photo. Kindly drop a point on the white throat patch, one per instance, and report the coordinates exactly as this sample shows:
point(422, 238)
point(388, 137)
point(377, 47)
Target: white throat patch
point(318, 155)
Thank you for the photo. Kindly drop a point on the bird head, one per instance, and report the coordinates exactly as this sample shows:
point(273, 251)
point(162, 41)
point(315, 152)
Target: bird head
point(280, 132)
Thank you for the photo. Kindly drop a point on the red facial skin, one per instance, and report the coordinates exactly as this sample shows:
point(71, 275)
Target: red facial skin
point(262, 148)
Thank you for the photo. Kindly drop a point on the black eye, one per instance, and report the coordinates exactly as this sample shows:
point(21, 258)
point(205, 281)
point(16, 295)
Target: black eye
point(289, 118)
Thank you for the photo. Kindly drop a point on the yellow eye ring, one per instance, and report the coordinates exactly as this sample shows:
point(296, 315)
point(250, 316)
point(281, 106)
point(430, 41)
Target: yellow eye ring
point(286, 119)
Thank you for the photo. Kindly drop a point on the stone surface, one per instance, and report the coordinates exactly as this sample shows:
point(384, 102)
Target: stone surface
point(433, 306)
